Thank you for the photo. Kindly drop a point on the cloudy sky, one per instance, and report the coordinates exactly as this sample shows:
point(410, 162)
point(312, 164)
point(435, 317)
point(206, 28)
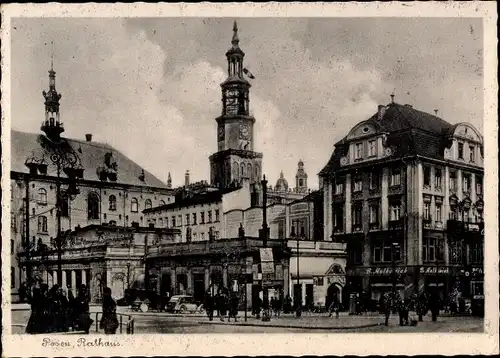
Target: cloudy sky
point(150, 87)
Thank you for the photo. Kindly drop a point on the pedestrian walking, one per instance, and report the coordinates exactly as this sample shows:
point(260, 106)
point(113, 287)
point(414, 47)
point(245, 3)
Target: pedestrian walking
point(209, 306)
point(387, 306)
point(334, 307)
point(257, 308)
point(37, 322)
point(222, 305)
point(109, 320)
point(434, 305)
point(233, 307)
point(404, 309)
point(81, 310)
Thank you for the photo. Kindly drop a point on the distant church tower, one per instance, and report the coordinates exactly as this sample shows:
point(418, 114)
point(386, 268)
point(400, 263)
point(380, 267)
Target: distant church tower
point(52, 125)
point(301, 178)
point(235, 159)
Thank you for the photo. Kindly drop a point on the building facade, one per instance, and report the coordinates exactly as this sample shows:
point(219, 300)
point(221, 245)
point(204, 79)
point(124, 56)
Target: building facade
point(282, 193)
point(404, 190)
point(108, 187)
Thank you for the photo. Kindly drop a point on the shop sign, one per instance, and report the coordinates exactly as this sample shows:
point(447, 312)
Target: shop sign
point(385, 271)
point(434, 270)
point(267, 267)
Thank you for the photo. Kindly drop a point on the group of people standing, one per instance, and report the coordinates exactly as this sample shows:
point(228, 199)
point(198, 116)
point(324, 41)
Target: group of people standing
point(223, 303)
point(421, 304)
point(58, 310)
point(55, 310)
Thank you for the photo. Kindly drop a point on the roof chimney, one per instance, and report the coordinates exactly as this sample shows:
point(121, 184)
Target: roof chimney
point(186, 178)
point(88, 137)
point(381, 112)
point(436, 111)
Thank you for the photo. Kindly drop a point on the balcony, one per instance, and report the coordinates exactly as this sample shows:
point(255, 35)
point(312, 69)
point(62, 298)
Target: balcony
point(457, 227)
point(396, 224)
point(427, 223)
point(374, 226)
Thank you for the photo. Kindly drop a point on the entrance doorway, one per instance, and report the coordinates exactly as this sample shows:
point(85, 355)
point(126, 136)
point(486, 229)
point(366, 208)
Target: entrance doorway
point(166, 284)
point(199, 287)
point(309, 295)
point(332, 294)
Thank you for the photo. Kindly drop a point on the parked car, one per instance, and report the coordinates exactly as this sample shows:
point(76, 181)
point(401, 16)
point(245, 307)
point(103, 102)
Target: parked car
point(142, 300)
point(183, 304)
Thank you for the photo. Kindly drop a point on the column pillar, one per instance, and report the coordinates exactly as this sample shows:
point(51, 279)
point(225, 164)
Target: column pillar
point(330, 211)
point(287, 221)
point(73, 282)
point(189, 275)
point(63, 283)
point(207, 278)
point(224, 276)
point(348, 209)
point(303, 290)
point(174, 281)
point(326, 203)
point(84, 277)
point(286, 279)
point(54, 275)
point(460, 192)
point(472, 184)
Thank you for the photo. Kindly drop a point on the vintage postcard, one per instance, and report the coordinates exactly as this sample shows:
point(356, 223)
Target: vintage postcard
point(186, 179)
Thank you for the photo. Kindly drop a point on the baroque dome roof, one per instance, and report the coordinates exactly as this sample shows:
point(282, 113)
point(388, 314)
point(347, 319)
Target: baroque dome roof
point(281, 183)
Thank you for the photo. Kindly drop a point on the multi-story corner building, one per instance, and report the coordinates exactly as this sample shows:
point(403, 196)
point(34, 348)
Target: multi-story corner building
point(112, 189)
point(404, 190)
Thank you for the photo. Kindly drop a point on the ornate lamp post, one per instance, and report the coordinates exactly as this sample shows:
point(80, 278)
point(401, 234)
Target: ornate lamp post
point(298, 300)
point(264, 232)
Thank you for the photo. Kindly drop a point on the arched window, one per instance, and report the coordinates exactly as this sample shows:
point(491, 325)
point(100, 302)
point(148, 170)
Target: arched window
point(93, 206)
point(42, 196)
point(249, 170)
point(160, 222)
point(64, 206)
point(242, 172)
point(257, 171)
point(148, 204)
point(112, 202)
point(42, 224)
point(162, 202)
point(134, 205)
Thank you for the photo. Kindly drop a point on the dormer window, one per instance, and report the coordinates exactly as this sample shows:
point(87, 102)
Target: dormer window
point(358, 154)
point(372, 148)
point(460, 151)
point(472, 154)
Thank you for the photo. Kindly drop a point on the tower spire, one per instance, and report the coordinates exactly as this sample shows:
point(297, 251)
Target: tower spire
point(52, 125)
point(235, 41)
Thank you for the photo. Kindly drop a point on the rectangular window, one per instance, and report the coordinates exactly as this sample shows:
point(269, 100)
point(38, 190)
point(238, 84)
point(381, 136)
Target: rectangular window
point(396, 177)
point(455, 249)
point(372, 146)
point(217, 215)
point(374, 213)
point(460, 151)
point(479, 185)
point(357, 184)
point(374, 180)
point(179, 218)
point(427, 211)
point(210, 216)
point(453, 181)
point(359, 151)
point(339, 188)
point(42, 224)
point(194, 218)
point(339, 218)
point(427, 176)
point(12, 247)
point(202, 236)
point(472, 154)
point(439, 215)
point(395, 211)
point(466, 183)
point(357, 215)
point(385, 251)
point(202, 217)
point(12, 277)
point(476, 253)
point(194, 236)
point(173, 221)
point(187, 220)
point(432, 249)
point(437, 177)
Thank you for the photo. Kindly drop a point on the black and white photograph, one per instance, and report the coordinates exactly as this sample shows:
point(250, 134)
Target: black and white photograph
point(188, 173)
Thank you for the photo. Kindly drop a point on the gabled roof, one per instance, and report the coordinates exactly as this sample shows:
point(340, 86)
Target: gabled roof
point(91, 155)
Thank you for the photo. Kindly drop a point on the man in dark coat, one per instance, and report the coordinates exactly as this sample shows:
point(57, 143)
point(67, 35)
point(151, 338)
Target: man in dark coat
point(434, 305)
point(234, 302)
point(209, 306)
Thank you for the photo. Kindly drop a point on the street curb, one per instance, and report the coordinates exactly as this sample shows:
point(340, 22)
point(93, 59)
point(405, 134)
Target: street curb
point(323, 328)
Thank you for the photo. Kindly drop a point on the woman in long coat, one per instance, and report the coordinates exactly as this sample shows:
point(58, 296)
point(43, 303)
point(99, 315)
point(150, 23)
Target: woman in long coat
point(37, 322)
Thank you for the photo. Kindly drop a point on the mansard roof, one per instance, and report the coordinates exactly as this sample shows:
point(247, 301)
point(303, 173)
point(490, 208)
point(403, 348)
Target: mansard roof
point(411, 131)
point(91, 155)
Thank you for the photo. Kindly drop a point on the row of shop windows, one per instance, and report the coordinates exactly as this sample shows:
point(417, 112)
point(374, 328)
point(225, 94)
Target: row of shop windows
point(433, 250)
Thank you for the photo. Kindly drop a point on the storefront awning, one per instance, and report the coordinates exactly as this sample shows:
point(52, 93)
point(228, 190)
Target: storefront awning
point(310, 266)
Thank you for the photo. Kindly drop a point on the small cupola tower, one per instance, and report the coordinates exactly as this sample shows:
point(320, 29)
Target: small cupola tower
point(301, 178)
point(52, 125)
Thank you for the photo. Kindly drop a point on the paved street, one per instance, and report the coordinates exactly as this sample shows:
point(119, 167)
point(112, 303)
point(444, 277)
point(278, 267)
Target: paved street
point(153, 322)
